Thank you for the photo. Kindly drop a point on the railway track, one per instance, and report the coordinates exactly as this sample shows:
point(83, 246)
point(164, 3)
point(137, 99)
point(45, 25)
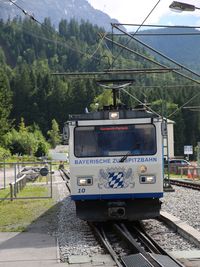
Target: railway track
point(130, 246)
point(185, 183)
point(65, 176)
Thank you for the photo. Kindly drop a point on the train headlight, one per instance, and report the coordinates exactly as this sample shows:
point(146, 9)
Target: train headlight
point(147, 179)
point(84, 181)
point(113, 115)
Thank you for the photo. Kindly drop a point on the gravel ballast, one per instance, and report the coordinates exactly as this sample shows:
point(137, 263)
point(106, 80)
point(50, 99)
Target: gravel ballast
point(184, 203)
point(75, 237)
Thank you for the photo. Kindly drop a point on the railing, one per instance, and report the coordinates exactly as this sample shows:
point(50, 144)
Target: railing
point(26, 176)
point(16, 186)
point(191, 171)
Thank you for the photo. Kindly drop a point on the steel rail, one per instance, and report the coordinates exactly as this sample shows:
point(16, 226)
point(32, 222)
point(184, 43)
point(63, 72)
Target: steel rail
point(140, 244)
point(65, 177)
point(100, 233)
point(123, 231)
point(152, 246)
point(187, 184)
point(151, 242)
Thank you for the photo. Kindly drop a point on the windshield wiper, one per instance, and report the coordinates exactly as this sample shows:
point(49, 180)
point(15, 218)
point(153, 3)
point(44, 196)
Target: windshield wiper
point(126, 156)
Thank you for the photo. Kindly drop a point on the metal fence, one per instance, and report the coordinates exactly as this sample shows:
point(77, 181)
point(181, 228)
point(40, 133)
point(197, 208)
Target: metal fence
point(189, 171)
point(26, 180)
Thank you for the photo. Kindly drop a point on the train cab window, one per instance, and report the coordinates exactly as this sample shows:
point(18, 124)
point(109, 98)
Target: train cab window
point(117, 140)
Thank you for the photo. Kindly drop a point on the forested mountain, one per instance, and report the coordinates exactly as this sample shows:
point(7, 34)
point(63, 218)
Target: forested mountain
point(30, 53)
point(56, 10)
point(180, 44)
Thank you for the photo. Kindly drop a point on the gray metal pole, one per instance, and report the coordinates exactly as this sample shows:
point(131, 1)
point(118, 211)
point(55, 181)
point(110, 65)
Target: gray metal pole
point(4, 173)
point(198, 158)
point(15, 176)
point(51, 192)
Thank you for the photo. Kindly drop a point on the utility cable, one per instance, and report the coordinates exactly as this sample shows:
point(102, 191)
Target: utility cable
point(155, 111)
point(44, 26)
point(159, 64)
point(25, 12)
point(166, 86)
point(132, 36)
point(160, 34)
point(157, 52)
point(159, 26)
point(170, 115)
point(137, 29)
point(100, 42)
point(57, 42)
point(153, 61)
point(135, 98)
point(180, 65)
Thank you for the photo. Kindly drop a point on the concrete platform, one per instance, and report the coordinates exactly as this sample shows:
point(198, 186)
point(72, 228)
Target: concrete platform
point(182, 228)
point(27, 249)
point(40, 250)
point(188, 254)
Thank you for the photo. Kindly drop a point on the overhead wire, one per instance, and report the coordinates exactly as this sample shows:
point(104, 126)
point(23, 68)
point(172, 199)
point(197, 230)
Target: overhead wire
point(171, 60)
point(103, 37)
point(193, 97)
point(152, 60)
point(135, 98)
point(165, 86)
point(64, 44)
point(148, 15)
point(160, 34)
point(158, 26)
point(99, 45)
point(159, 53)
point(44, 38)
point(25, 12)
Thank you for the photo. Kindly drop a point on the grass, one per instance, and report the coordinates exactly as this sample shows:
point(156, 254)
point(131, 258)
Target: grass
point(34, 191)
point(40, 179)
point(4, 193)
point(16, 215)
point(172, 175)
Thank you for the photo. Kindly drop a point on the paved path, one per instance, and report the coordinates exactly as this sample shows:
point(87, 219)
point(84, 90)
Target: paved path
point(27, 249)
point(40, 250)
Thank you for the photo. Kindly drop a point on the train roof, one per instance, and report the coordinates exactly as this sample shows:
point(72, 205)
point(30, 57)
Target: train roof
point(105, 114)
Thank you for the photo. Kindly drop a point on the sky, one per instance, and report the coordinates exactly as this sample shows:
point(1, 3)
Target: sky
point(135, 11)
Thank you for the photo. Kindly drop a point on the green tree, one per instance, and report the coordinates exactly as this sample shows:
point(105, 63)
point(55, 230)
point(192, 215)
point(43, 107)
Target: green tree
point(104, 99)
point(5, 103)
point(54, 134)
point(21, 142)
point(4, 153)
point(42, 145)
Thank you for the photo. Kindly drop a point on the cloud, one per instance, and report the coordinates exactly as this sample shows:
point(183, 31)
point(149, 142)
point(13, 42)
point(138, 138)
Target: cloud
point(135, 11)
point(129, 11)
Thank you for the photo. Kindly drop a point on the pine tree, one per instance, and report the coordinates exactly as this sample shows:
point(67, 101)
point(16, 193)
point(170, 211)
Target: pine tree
point(5, 103)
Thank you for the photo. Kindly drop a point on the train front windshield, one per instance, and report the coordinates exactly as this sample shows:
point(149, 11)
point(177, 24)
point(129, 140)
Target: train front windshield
point(118, 140)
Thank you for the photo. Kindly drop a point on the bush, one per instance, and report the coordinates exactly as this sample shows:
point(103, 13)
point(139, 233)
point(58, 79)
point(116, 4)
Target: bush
point(42, 145)
point(26, 141)
point(4, 153)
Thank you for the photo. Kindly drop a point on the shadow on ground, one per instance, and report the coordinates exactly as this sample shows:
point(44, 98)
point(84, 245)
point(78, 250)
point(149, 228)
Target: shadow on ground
point(44, 226)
